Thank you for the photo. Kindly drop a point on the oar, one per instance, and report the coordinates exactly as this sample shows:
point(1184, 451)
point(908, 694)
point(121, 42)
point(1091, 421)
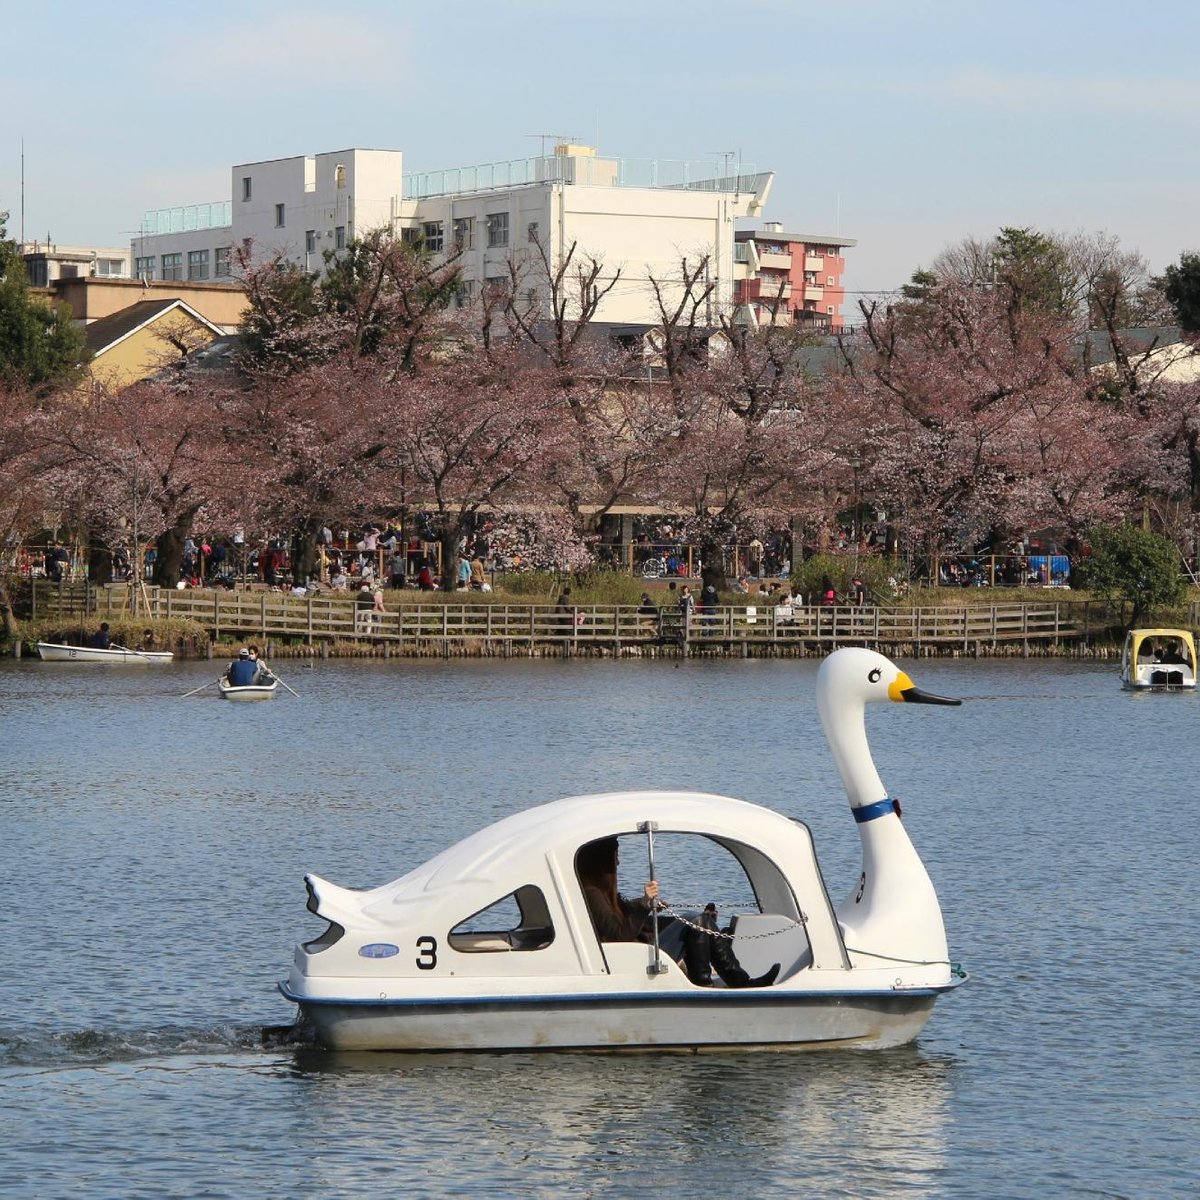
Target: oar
point(131, 650)
point(199, 689)
point(290, 689)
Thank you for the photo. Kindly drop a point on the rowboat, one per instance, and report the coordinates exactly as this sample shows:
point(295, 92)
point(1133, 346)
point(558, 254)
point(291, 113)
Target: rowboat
point(252, 691)
point(1161, 660)
point(51, 652)
point(492, 945)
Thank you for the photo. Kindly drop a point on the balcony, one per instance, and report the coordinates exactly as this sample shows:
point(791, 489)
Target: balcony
point(814, 262)
point(775, 261)
point(813, 293)
point(774, 287)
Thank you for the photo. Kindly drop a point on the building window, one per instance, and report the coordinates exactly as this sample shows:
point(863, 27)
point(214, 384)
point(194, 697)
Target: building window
point(339, 175)
point(246, 188)
point(464, 233)
point(109, 267)
point(433, 236)
point(462, 295)
point(531, 231)
point(497, 230)
point(222, 268)
point(310, 241)
point(339, 238)
point(279, 212)
point(172, 266)
point(829, 279)
point(143, 268)
point(197, 264)
point(410, 236)
point(829, 309)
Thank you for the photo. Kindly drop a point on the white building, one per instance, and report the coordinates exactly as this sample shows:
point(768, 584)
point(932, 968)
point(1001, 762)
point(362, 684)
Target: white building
point(641, 218)
point(48, 262)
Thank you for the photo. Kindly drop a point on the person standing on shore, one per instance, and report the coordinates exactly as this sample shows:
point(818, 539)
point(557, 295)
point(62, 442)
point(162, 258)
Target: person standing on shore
point(687, 604)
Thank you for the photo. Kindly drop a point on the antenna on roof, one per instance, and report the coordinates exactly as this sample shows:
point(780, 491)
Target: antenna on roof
point(556, 137)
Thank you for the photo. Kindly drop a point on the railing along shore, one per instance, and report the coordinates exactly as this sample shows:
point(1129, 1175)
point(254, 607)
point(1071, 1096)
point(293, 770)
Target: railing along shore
point(498, 627)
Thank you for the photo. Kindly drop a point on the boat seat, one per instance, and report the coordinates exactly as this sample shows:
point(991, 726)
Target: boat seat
point(491, 943)
point(762, 939)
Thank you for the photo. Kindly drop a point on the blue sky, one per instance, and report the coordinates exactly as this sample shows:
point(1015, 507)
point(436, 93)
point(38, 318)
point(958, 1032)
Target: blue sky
point(905, 125)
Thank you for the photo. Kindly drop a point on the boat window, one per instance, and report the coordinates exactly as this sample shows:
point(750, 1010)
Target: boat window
point(692, 870)
point(518, 921)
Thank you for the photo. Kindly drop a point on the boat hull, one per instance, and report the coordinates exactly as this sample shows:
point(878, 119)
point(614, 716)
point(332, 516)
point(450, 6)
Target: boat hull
point(1161, 680)
point(52, 652)
point(250, 692)
point(719, 1019)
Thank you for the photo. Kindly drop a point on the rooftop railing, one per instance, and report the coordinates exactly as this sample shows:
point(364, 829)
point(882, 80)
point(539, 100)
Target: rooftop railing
point(585, 171)
point(187, 217)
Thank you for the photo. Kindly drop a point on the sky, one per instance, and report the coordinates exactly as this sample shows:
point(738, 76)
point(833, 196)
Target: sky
point(907, 126)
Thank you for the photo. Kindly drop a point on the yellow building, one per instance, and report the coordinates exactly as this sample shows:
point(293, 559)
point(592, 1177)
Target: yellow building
point(144, 339)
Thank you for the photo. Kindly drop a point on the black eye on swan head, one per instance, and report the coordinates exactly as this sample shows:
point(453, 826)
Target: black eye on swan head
point(874, 674)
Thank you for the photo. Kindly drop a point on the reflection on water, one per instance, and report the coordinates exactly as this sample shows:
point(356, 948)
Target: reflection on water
point(153, 856)
point(633, 1121)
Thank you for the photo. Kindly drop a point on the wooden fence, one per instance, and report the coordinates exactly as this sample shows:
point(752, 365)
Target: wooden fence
point(326, 617)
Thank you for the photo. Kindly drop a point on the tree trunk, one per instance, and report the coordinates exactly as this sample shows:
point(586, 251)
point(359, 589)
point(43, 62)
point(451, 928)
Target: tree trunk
point(168, 548)
point(448, 535)
point(303, 552)
point(100, 563)
point(168, 560)
point(8, 626)
point(712, 570)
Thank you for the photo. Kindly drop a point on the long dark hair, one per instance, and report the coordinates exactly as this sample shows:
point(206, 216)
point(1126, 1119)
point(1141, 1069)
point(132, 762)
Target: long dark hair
point(596, 864)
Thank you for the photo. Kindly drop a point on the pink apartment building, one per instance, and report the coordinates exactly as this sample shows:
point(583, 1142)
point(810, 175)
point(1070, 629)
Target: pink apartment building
point(790, 278)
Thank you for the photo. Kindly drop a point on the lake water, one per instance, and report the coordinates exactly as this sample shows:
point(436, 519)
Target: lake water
point(153, 854)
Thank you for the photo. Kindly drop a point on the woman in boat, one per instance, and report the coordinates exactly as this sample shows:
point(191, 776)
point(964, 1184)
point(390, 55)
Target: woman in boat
point(699, 948)
point(262, 673)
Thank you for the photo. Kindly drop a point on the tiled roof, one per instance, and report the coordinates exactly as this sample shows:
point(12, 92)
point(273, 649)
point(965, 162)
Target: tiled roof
point(107, 330)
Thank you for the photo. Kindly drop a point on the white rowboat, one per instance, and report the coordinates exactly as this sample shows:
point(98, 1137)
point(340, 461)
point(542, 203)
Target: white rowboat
point(251, 691)
point(51, 652)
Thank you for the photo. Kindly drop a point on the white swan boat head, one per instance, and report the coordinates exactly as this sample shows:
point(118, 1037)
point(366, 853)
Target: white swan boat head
point(490, 945)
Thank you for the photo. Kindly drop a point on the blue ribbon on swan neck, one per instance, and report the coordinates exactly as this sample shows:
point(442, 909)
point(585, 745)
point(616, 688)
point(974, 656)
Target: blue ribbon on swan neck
point(881, 808)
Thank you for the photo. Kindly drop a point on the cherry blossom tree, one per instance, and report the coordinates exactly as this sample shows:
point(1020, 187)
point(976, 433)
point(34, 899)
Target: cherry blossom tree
point(380, 292)
point(140, 463)
point(305, 447)
point(27, 493)
point(979, 410)
point(470, 433)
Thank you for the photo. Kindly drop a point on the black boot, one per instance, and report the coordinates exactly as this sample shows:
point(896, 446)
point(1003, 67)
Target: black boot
point(697, 956)
point(732, 973)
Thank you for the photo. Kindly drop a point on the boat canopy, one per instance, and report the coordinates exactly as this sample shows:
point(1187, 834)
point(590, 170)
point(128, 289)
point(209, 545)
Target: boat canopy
point(1141, 642)
point(538, 847)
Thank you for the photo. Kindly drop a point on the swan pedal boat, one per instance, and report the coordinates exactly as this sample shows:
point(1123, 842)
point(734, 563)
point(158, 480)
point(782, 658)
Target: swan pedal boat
point(427, 962)
point(249, 691)
point(52, 652)
point(1148, 672)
